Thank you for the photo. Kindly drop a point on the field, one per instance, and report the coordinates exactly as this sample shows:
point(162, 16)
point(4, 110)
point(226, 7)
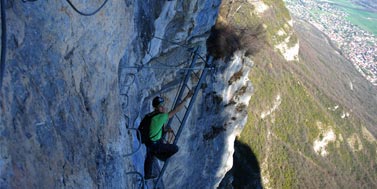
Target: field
point(358, 15)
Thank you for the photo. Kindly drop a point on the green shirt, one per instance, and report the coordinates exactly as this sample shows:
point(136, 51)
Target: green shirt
point(158, 121)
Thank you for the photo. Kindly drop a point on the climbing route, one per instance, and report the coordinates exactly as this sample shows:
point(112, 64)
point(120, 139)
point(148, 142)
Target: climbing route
point(196, 69)
point(196, 72)
point(130, 79)
point(182, 121)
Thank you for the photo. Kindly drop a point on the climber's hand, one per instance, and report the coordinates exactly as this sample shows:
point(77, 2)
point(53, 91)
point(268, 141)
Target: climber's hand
point(168, 129)
point(189, 94)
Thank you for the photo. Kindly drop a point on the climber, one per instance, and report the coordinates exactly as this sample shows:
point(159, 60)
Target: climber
point(156, 147)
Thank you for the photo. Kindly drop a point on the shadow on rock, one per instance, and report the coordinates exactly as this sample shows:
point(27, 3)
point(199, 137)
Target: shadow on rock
point(245, 172)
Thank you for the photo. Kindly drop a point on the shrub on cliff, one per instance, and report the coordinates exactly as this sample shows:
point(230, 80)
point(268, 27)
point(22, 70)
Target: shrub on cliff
point(225, 39)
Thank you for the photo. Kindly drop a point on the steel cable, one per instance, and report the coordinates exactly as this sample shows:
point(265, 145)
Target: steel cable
point(87, 14)
point(185, 46)
point(138, 174)
point(139, 145)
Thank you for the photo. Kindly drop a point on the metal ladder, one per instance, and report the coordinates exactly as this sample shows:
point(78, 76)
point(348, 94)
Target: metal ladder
point(184, 85)
point(182, 122)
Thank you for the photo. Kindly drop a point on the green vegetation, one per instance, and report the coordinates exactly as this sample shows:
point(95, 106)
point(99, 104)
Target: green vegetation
point(294, 128)
point(293, 40)
point(280, 16)
point(282, 174)
point(283, 140)
point(244, 17)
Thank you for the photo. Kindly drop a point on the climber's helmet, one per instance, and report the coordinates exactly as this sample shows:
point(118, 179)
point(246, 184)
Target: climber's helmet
point(158, 101)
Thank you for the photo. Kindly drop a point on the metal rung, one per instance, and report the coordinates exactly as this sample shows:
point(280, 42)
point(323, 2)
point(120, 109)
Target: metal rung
point(187, 86)
point(180, 121)
point(196, 75)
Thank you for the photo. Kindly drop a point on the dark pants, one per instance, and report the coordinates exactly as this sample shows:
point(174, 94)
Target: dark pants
point(162, 152)
point(151, 169)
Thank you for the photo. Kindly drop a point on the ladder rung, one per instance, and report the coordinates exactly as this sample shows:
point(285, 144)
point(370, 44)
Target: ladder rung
point(187, 86)
point(183, 122)
point(180, 121)
point(196, 75)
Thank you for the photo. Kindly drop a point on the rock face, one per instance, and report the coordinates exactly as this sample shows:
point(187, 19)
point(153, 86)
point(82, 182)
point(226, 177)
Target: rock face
point(60, 111)
point(207, 145)
point(74, 84)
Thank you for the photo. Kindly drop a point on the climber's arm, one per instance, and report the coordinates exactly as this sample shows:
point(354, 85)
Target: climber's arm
point(181, 105)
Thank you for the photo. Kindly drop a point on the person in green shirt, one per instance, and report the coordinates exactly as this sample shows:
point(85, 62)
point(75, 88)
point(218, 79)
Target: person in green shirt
point(157, 148)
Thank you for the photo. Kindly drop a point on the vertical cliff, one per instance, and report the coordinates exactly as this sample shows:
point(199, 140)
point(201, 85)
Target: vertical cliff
point(73, 84)
point(60, 111)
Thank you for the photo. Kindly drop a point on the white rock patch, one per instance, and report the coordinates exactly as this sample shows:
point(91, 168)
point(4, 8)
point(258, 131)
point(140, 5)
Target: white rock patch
point(290, 54)
point(319, 145)
point(277, 103)
point(290, 22)
point(227, 158)
point(266, 174)
point(345, 115)
point(281, 32)
point(260, 7)
point(334, 108)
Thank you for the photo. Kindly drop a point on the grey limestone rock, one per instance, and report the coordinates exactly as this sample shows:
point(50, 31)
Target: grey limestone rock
point(74, 84)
